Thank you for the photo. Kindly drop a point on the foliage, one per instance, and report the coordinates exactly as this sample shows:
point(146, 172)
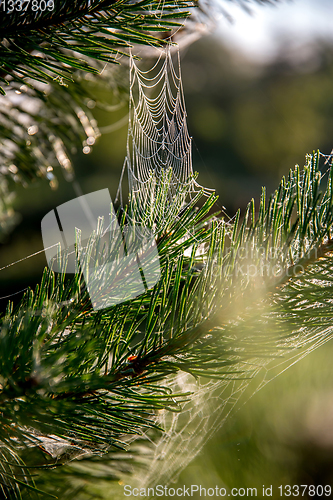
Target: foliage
point(52, 48)
point(98, 30)
point(45, 56)
point(79, 383)
point(85, 380)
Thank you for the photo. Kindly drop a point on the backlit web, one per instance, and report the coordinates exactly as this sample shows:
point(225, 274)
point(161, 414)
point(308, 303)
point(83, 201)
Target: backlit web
point(211, 403)
point(159, 146)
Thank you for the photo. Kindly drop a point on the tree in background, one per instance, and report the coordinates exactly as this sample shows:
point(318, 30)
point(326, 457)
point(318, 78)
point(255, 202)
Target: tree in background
point(235, 296)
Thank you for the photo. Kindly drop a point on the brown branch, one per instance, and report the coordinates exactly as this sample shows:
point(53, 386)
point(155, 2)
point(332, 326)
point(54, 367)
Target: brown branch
point(139, 365)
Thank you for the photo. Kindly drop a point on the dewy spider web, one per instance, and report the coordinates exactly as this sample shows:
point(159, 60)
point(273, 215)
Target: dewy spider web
point(212, 402)
point(158, 141)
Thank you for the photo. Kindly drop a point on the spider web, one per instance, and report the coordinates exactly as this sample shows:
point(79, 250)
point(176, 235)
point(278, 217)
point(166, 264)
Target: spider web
point(159, 146)
point(211, 403)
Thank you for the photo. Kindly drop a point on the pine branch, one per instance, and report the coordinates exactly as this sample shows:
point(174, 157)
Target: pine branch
point(68, 11)
point(40, 50)
point(70, 365)
point(42, 126)
point(48, 44)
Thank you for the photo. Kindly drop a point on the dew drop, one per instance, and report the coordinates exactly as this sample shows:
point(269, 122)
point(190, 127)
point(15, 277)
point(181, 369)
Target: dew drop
point(91, 104)
point(91, 140)
point(33, 130)
point(13, 169)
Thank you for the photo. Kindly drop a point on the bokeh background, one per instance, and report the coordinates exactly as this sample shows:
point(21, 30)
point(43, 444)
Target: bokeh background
point(259, 95)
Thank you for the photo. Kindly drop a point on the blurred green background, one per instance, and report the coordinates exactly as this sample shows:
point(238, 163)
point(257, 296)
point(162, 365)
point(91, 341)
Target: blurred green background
point(282, 436)
point(251, 120)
